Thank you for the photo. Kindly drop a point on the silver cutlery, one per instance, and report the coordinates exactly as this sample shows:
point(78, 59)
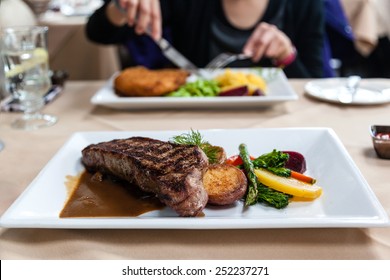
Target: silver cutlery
point(224, 59)
point(176, 57)
point(347, 95)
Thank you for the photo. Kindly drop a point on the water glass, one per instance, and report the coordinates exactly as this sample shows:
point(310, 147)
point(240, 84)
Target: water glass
point(2, 93)
point(26, 68)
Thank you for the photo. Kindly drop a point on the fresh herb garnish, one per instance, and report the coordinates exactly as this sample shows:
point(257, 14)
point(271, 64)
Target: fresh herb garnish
point(195, 138)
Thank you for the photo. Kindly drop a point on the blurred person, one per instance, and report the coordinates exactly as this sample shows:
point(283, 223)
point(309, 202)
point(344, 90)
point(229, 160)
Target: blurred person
point(279, 33)
point(16, 13)
point(339, 38)
point(341, 42)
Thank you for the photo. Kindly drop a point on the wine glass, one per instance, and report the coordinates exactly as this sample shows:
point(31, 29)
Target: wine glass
point(26, 68)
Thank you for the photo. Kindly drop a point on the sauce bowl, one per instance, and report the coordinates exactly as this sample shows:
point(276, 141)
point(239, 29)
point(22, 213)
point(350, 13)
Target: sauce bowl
point(380, 135)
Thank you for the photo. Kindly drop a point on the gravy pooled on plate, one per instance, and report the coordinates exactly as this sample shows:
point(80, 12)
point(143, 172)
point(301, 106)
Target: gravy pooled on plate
point(96, 197)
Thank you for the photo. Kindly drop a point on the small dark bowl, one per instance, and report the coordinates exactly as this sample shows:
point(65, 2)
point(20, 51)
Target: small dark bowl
point(380, 135)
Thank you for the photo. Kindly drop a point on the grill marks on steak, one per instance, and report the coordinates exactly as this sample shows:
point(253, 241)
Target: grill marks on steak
point(173, 172)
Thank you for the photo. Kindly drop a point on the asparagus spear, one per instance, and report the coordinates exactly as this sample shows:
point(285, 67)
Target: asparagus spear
point(251, 197)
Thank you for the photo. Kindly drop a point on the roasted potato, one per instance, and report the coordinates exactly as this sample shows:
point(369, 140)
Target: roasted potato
point(224, 184)
point(220, 155)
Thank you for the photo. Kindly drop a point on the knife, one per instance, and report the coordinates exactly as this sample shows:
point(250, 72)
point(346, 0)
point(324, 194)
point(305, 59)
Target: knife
point(169, 51)
point(176, 57)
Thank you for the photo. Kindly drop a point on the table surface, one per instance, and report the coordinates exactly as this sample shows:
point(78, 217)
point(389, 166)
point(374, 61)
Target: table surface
point(26, 153)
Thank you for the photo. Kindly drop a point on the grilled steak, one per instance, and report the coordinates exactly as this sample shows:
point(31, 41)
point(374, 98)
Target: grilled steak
point(173, 172)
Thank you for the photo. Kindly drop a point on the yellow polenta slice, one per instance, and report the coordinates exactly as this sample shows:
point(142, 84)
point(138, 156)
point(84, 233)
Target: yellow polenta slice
point(288, 185)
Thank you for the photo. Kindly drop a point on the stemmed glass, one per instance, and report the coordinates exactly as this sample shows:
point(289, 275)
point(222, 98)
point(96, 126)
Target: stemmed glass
point(26, 68)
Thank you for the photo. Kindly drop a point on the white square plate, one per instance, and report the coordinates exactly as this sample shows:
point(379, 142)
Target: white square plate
point(347, 199)
point(278, 91)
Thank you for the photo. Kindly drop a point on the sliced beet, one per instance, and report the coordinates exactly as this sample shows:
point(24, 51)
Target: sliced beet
point(296, 161)
point(258, 92)
point(236, 91)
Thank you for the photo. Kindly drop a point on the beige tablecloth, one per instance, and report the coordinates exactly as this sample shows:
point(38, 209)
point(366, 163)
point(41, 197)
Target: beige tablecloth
point(26, 153)
point(70, 50)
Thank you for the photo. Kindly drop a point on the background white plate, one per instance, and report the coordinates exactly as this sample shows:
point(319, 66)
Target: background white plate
point(278, 91)
point(370, 91)
point(347, 199)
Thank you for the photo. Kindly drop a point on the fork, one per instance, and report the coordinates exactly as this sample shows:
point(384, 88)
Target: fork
point(224, 59)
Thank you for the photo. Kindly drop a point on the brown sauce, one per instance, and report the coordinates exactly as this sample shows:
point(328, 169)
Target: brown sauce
point(92, 197)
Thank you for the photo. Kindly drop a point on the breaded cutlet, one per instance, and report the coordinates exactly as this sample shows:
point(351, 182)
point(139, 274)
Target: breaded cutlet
point(140, 81)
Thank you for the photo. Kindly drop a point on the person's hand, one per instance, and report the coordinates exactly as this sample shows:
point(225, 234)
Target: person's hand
point(268, 41)
point(144, 15)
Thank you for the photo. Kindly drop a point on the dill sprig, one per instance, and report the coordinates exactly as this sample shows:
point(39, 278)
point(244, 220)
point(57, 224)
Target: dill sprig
point(190, 138)
point(195, 138)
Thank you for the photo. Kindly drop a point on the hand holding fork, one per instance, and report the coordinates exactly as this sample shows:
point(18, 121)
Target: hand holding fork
point(266, 41)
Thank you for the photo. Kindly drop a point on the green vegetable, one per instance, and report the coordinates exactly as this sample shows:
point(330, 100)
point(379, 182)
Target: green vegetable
point(271, 197)
point(274, 162)
point(258, 192)
point(252, 193)
point(199, 88)
point(195, 138)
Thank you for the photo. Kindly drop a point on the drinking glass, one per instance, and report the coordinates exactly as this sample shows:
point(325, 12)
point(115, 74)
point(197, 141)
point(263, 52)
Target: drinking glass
point(26, 68)
point(2, 93)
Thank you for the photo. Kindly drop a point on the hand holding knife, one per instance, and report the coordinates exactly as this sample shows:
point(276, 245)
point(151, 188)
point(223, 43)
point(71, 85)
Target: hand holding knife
point(145, 17)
